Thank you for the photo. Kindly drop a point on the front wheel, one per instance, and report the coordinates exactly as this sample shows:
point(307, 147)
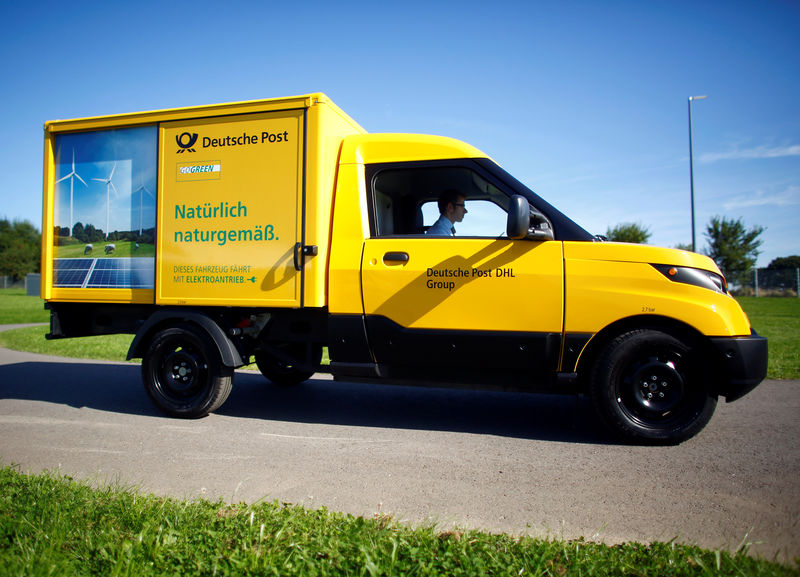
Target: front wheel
point(183, 372)
point(647, 386)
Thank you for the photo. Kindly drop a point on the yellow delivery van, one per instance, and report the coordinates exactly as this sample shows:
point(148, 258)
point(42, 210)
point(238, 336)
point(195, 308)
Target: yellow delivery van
point(268, 230)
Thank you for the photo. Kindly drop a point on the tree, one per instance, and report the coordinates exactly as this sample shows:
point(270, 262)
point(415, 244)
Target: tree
point(20, 248)
point(628, 232)
point(731, 245)
point(785, 262)
point(78, 232)
point(93, 234)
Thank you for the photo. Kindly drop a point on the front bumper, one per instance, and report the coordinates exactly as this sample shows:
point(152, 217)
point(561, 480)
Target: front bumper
point(744, 360)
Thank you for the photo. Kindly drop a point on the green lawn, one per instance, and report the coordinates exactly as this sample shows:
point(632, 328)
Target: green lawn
point(778, 319)
point(122, 249)
point(16, 307)
point(32, 339)
point(51, 525)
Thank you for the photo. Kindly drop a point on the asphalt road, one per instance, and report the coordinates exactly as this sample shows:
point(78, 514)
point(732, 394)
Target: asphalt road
point(496, 461)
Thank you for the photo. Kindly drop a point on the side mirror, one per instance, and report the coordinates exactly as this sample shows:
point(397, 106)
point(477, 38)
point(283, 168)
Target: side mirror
point(524, 224)
point(519, 217)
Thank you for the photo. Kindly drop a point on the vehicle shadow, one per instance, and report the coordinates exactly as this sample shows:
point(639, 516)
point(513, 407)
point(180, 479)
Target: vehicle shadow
point(563, 418)
point(105, 387)
point(118, 388)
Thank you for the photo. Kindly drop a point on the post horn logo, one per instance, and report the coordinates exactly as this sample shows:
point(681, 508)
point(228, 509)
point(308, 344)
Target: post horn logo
point(186, 141)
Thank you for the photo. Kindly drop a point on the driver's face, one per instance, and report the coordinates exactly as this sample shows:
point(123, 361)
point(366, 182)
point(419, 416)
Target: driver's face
point(457, 210)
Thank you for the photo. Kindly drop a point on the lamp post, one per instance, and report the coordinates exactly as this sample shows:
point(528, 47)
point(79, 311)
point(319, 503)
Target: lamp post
point(691, 163)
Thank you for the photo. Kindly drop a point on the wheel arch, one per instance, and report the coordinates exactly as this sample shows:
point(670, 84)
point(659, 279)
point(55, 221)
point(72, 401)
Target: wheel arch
point(670, 326)
point(164, 319)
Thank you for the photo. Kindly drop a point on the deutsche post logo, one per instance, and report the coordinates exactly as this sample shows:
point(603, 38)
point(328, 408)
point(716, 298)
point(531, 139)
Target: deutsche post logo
point(186, 141)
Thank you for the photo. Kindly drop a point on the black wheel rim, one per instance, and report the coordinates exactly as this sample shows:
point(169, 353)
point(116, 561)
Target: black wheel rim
point(652, 389)
point(182, 371)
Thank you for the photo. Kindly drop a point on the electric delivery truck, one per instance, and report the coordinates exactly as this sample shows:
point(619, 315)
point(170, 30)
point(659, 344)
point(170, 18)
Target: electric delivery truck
point(268, 231)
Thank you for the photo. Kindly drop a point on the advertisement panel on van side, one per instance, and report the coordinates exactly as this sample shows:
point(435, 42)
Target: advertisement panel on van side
point(104, 213)
point(230, 210)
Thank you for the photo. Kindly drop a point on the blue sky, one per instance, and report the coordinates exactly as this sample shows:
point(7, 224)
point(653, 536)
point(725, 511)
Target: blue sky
point(585, 102)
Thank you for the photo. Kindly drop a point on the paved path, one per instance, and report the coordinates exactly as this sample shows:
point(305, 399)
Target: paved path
point(497, 461)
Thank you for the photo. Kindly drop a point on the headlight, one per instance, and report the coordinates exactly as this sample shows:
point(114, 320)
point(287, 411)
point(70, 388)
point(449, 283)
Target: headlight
point(694, 276)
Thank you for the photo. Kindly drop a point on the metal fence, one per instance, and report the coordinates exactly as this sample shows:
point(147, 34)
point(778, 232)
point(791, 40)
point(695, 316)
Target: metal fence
point(31, 284)
point(765, 282)
point(6, 282)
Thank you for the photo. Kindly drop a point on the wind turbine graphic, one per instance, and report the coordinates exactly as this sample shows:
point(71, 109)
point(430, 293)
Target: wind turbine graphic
point(72, 176)
point(141, 190)
point(109, 186)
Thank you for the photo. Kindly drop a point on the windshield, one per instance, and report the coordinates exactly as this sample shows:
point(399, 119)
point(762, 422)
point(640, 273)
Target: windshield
point(563, 226)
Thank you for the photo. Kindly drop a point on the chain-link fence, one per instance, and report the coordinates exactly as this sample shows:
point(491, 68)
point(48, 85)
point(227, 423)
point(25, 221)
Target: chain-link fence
point(30, 283)
point(7, 282)
point(765, 282)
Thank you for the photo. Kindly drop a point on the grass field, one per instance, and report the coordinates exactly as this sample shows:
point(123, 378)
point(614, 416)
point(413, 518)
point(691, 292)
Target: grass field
point(32, 339)
point(122, 249)
point(778, 319)
point(16, 307)
point(51, 525)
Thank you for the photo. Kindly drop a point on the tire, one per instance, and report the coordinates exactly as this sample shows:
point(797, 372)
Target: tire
point(183, 372)
point(284, 373)
point(647, 386)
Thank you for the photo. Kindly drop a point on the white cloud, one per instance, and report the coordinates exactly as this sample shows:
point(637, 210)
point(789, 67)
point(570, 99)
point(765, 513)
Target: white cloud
point(752, 153)
point(788, 197)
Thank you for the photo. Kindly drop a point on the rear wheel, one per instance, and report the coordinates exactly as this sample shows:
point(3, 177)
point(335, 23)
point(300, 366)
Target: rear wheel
point(647, 386)
point(282, 366)
point(183, 372)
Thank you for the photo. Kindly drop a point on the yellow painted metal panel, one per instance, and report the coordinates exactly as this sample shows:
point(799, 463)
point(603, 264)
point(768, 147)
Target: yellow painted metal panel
point(378, 148)
point(609, 282)
point(327, 125)
point(47, 217)
point(350, 228)
point(101, 295)
point(465, 284)
point(185, 113)
point(230, 210)
point(626, 252)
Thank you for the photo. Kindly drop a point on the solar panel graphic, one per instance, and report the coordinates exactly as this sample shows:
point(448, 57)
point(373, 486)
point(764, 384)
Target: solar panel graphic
point(71, 272)
point(136, 273)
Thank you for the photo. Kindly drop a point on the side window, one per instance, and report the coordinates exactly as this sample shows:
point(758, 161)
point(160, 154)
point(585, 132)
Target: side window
point(403, 199)
point(483, 218)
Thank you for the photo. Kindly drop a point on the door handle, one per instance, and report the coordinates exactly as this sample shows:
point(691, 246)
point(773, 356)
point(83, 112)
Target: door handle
point(395, 257)
point(298, 247)
point(303, 250)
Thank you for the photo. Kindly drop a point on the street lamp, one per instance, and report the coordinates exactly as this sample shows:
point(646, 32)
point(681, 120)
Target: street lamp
point(691, 161)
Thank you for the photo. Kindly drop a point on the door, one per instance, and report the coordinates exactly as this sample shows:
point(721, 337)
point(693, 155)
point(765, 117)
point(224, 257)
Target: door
point(230, 210)
point(463, 309)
